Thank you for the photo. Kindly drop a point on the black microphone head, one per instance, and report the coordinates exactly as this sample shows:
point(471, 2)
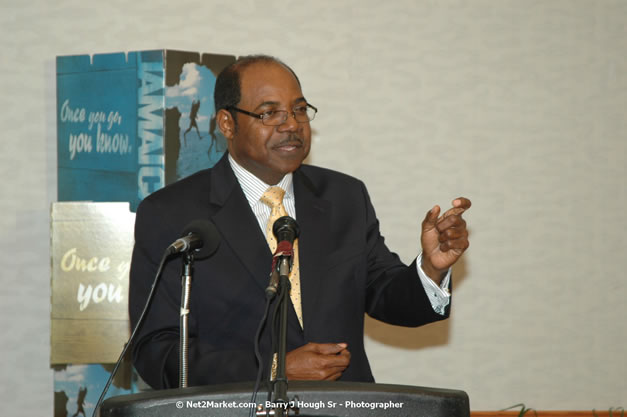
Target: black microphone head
point(208, 235)
point(285, 228)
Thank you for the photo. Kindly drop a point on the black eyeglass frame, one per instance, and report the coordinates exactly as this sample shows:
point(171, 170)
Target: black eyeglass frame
point(264, 116)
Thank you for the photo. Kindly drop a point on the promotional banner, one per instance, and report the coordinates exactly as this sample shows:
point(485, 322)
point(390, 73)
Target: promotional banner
point(91, 246)
point(91, 254)
point(127, 125)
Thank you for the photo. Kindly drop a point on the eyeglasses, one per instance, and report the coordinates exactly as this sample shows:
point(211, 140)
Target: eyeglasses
point(302, 114)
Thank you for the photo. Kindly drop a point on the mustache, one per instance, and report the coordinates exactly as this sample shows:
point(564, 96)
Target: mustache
point(291, 140)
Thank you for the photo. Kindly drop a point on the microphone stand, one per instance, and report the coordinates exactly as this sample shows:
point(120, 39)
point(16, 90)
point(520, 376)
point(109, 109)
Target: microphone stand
point(286, 231)
point(186, 281)
point(280, 383)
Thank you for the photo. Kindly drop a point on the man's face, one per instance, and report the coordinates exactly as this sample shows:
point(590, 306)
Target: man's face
point(268, 152)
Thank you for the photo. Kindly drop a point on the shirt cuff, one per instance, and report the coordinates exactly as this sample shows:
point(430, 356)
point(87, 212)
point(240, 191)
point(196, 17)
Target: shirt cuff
point(439, 297)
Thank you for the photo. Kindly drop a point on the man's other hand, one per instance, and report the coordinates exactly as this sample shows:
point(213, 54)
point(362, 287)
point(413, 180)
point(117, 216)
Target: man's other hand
point(317, 361)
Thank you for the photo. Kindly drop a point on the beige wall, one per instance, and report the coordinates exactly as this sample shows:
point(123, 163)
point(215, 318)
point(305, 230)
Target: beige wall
point(519, 105)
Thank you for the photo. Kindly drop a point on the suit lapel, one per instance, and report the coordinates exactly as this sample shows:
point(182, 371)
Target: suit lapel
point(313, 215)
point(232, 215)
point(239, 228)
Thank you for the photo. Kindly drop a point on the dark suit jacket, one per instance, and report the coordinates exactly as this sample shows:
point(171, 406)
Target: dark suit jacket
point(345, 270)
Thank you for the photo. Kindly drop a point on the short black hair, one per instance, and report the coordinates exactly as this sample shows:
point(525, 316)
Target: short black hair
point(227, 92)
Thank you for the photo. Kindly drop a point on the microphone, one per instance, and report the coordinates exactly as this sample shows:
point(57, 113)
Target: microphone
point(200, 236)
point(285, 230)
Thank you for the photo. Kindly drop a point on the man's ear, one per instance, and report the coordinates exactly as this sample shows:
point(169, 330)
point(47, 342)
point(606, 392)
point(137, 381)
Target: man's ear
point(225, 123)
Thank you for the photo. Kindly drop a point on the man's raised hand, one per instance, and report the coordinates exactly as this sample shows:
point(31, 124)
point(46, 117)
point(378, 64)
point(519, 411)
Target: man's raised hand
point(444, 238)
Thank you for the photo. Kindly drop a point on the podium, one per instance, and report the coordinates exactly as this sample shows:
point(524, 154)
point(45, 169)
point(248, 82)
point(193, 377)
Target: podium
point(316, 398)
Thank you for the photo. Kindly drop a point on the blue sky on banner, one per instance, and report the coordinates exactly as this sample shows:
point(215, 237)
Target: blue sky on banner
point(199, 148)
point(93, 377)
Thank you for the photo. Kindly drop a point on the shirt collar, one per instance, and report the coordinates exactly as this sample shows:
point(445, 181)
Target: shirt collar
point(254, 188)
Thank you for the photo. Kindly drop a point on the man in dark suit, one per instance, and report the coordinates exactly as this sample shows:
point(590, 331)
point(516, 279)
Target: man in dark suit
point(345, 268)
